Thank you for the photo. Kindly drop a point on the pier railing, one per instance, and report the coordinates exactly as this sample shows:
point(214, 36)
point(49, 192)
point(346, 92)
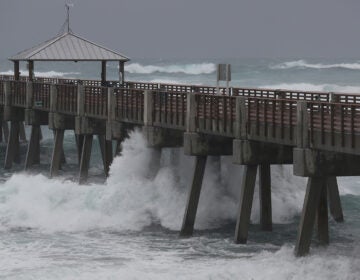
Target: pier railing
point(41, 96)
point(129, 105)
point(271, 115)
point(273, 120)
point(169, 109)
point(66, 102)
point(215, 114)
point(96, 102)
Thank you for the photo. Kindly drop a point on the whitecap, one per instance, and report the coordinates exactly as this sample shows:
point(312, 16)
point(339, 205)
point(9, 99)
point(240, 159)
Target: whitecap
point(302, 64)
point(189, 69)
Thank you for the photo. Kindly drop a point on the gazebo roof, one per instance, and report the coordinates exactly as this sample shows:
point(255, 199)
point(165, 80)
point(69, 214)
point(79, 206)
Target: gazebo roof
point(68, 47)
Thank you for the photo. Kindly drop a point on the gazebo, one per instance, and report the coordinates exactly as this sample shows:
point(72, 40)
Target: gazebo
point(68, 46)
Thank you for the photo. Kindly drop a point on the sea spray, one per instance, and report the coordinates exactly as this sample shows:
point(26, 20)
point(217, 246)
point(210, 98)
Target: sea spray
point(130, 200)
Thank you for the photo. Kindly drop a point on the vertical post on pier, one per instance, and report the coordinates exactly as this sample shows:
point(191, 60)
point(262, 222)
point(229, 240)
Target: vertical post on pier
point(16, 70)
point(5, 129)
point(191, 112)
point(33, 152)
point(57, 154)
point(121, 72)
point(148, 108)
point(265, 197)
point(322, 215)
point(103, 72)
point(80, 100)
point(148, 121)
point(13, 145)
point(58, 151)
point(241, 118)
point(31, 70)
point(111, 105)
point(310, 207)
point(334, 199)
point(199, 170)
point(246, 200)
point(79, 139)
point(106, 152)
point(187, 228)
point(332, 185)
point(85, 158)
point(302, 125)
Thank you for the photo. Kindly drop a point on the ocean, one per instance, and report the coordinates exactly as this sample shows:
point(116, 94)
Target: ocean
point(127, 226)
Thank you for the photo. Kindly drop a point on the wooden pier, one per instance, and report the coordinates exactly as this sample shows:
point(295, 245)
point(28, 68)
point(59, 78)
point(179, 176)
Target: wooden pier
point(317, 132)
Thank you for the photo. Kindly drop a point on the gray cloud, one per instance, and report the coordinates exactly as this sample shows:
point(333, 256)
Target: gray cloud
point(191, 28)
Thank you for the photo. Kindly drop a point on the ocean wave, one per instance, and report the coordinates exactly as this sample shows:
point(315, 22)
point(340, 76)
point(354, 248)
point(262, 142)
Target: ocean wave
point(302, 64)
point(131, 200)
point(189, 69)
point(315, 87)
point(46, 74)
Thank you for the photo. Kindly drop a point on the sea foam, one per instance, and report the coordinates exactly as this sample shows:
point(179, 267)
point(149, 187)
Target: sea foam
point(47, 74)
point(131, 200)
point(190, 69)
point(302, 64)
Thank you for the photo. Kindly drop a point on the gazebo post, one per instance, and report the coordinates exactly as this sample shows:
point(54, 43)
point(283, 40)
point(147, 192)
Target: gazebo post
point(31, 70)
point(103, 72)
point(122, 72)
point(16, 70)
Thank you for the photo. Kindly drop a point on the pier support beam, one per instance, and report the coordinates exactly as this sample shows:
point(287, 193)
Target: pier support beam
point(85, 158)
point(314, 191)
point(106, 153)
point(13, 145)
point(246, 199)
point(33, 152)
point(57, 152)
point(265, 197)
point(5, 130)
point(193, 197)
point(79, 139)
point(334, 200)
point(322, 216)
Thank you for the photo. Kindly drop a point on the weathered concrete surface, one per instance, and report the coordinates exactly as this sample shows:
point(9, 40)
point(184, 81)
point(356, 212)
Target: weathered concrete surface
point(311, 204)
point(196, 144)
point(85, 125)
point(245, 205)
point(311, 163)
point(254, 152)
point(163, 137)
point(187, 227)
point(36, 117)
point(265, 197)
point(60, 121)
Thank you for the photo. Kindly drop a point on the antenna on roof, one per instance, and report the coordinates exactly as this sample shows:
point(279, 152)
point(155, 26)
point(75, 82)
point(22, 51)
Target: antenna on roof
point(65, 28)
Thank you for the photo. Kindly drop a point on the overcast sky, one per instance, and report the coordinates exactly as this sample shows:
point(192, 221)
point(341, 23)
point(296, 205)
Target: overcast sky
point(191, 28)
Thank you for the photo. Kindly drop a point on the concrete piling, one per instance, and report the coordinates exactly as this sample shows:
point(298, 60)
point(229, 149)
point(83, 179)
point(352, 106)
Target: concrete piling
point(246, 200)
point(33, 152)
point(187, 227)
point(13, 145)
point(57, 152)
point(334, 199)
point(307, 221)
point(265, 197)
point(322, 216)
point(85, 158)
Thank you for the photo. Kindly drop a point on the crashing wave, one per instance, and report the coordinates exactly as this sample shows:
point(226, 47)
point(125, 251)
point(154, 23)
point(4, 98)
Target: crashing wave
point(302, 64)
point(189, 69)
